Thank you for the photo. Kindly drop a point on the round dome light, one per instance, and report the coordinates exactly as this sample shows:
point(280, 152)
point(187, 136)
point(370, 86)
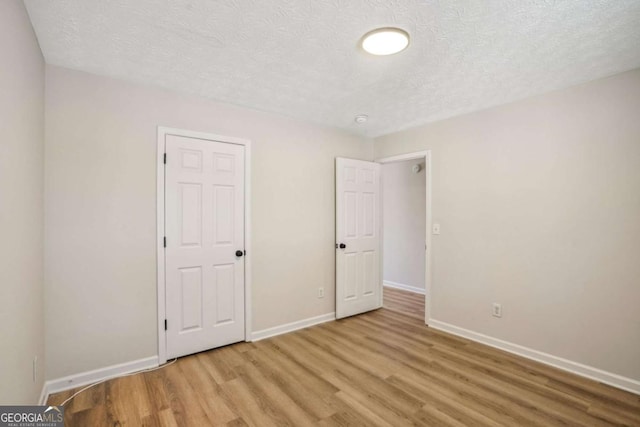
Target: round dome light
point(385, 41)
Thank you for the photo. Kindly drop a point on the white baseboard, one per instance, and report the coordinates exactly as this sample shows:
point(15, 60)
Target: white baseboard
point(89, 377)
point(293, 326)
point(404, 287)
point(590, 372)
point(44, 395)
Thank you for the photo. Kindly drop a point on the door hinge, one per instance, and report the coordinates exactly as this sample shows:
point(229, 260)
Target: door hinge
point(165, 158)
point(165, 324)
point(165, 241)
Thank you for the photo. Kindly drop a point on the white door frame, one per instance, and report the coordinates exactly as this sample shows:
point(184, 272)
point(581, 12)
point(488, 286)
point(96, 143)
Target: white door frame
point(160, 179)
point(426, 155)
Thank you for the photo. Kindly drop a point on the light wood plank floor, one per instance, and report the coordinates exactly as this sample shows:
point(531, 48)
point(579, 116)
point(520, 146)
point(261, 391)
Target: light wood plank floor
point(382, 368)
point(403, 302)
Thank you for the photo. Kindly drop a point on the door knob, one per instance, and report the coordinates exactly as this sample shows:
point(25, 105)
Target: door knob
point(239, 253)
point(342, 246)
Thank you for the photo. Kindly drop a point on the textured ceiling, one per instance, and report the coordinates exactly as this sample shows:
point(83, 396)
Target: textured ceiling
point(301, 57)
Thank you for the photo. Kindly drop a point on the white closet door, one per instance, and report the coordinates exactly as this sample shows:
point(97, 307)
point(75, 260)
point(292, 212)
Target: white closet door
point(204, 223)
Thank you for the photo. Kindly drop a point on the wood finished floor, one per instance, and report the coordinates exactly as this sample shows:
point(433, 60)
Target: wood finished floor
point(404, 302)
point(383, 368)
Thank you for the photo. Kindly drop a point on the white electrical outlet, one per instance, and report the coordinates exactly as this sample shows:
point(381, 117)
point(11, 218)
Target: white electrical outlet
point(496, 310)
point(35, 369)
point(436, 228)
point(320, 292)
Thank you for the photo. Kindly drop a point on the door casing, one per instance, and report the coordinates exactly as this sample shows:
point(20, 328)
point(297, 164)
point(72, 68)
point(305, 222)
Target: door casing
point(160, 223)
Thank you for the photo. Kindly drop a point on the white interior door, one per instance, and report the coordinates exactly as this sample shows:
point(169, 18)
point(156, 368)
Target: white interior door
point(204, 263)
point(358, 242)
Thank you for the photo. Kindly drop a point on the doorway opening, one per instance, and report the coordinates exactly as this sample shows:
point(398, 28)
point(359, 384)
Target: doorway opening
point(406, 219)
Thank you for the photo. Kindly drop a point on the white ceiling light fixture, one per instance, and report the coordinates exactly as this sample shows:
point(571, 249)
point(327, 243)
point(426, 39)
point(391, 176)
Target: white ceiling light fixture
point(385, 41)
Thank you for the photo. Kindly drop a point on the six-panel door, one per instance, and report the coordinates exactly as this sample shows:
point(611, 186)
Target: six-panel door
point(358, 222)
point(204, 223)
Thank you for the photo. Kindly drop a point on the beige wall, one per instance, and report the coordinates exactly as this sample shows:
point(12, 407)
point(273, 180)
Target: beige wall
point(404, 222)
point(21, 206)
point(539, 203)
point(101, 213)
